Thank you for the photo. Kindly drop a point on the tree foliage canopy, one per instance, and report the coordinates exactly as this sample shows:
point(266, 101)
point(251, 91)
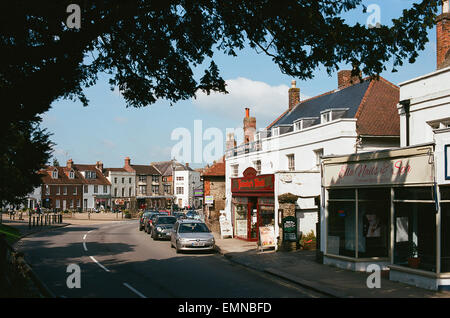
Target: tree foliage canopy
point(150, 49)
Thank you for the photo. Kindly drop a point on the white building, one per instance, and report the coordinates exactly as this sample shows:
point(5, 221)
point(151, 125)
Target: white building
point(186, 180)
point(393, 207)
point(123, 187)
point(356, 117)
point(96, 187)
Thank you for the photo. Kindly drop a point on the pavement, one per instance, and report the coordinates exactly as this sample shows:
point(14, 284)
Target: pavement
point(300, 267)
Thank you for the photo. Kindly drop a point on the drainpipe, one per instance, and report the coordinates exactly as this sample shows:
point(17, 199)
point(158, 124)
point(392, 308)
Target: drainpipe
point(406, 104)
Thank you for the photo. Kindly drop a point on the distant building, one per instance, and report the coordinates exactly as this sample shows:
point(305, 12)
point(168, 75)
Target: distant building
point(214, 188)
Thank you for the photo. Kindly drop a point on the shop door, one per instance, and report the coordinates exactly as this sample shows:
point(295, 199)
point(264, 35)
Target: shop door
point(252, 218)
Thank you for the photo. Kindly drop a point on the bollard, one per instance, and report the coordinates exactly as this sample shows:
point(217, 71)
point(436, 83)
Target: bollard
point(60, 219)
point(29, 221)
point(42, 220)
point(34, 220)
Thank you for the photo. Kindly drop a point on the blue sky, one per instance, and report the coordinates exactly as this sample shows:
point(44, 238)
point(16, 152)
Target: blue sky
point(107, 131)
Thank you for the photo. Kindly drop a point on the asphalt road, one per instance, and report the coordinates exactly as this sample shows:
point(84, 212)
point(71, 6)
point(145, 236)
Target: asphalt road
point(118, 260)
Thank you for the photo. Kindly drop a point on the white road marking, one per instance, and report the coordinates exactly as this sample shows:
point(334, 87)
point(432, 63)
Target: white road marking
point(134, 290)
point(92, 258)
point(84, 237)
point(84, 246)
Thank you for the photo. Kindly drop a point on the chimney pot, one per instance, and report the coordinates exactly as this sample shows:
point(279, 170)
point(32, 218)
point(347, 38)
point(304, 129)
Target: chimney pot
point(247, 112)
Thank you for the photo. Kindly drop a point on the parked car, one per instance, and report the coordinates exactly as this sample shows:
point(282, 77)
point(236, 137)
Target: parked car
point(147, 221)
point(162, 226)
point(149, 224)
point(179, 215)
point(193, 215)
point(191, 235)
point(143, 218)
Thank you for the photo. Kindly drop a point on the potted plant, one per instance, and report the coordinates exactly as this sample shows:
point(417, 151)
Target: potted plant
point(413, 259)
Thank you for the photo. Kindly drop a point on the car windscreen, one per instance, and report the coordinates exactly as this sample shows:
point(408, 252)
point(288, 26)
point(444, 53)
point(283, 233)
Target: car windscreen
point(193, 228)
point(166, 220)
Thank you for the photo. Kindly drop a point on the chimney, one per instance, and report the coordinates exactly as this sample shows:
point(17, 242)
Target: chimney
point(249, 127)
point(187, 164)
point(345, 79)
point(443, 36)
point(99, 165)
point(127, 161)
point(294, 95)
point(231, 142)
point(70, 164)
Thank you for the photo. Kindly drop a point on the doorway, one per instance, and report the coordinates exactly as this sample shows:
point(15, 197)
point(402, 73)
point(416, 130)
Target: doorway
point(252, 217)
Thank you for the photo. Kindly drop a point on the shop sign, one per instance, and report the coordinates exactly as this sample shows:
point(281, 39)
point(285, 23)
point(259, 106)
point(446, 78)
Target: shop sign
point(209, 199)
point(118, 202)
point(252, 183)
point(225, 227)
point(290, 229)
point(409, 170)
point(198, 193)
point(266, 236)
point(241, 228)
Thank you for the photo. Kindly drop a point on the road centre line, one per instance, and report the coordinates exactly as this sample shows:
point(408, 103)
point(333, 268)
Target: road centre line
point(92, 258)
point(134, 290)
point(84, 246)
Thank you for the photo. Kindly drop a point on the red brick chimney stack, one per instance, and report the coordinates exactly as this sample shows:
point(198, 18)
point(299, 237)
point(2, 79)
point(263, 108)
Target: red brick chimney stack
point(443, 36)
point(70, 164)
point(345, 79)
point(294, 95)
point(99, 165)
point(249, 127)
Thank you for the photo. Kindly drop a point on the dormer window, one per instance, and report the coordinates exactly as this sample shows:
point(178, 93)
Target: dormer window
point(325, 117)
point(55, 174)
point(332, 114)
point(91, 175)
point(71, 174)
point(303, 123)
point(275, 131)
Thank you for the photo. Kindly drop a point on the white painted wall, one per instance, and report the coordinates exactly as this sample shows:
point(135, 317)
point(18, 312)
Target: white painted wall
point(188, 195)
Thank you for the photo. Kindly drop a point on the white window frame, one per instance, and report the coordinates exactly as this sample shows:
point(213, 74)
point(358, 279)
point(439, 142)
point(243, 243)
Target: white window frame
point(55, 174)
point(318, 153)
point(235, 171)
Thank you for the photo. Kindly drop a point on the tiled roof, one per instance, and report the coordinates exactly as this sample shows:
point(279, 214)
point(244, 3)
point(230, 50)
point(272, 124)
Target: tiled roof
point(146, 169)
point(100, 178)
point(372, 102)
point(63, 176)
point(216, 170)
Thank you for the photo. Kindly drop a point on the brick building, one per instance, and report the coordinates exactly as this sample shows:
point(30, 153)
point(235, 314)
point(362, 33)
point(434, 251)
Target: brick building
point(214, 185)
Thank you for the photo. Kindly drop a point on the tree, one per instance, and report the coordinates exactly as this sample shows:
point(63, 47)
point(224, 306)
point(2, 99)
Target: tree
point(151, 48)
point(55, 162)
point(27, 150)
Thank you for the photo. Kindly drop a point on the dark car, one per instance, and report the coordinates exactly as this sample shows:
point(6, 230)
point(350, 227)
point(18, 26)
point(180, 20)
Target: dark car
point(179, 215)
point(193, 215)
point(144, 217)
point(162, 226)
point(148, 226)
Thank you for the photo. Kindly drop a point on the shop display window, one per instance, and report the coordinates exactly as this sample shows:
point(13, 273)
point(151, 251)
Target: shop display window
point(445, 237)
point(341, 229)
point(369, 236)
point(267, 215)
point(415, 235)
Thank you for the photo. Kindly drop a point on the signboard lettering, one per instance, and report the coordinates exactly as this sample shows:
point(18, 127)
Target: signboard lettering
point(290, 229)
point(266, 236)
point(396, 171)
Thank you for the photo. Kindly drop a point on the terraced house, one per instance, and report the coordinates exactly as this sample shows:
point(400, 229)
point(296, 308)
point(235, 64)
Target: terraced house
point(96, 187)
point(285, 157)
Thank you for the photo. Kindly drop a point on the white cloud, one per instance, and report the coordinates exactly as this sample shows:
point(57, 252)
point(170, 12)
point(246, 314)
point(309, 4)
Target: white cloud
point(266, 102)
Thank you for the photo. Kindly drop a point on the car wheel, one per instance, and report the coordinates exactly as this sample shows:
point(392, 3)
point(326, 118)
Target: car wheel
point(154, 236)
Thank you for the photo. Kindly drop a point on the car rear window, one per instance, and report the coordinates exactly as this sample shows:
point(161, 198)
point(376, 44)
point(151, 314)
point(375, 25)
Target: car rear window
point(167, 220)
point(193, 228)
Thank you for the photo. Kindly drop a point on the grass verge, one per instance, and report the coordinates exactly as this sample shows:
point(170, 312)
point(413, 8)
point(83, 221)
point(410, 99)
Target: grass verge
point(12, 234)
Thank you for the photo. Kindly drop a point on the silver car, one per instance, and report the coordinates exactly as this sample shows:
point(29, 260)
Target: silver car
point(192, 235)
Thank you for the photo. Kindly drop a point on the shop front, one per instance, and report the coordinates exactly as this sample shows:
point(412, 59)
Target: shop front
point(252, 204)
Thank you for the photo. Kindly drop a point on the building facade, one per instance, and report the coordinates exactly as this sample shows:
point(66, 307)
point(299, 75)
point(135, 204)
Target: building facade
point(214, 188)
point(392, 207)
point(123, 188)
point(358, 116)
